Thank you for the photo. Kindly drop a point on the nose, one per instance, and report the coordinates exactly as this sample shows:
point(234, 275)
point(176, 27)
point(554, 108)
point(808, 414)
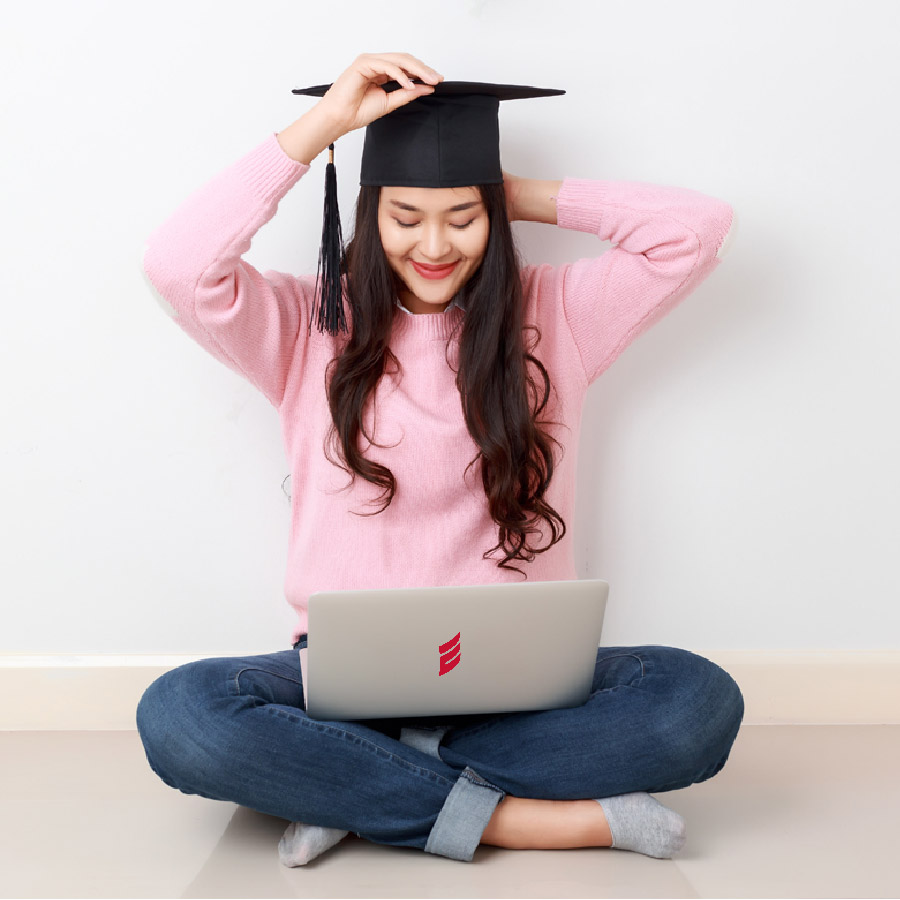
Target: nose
point(435, 243)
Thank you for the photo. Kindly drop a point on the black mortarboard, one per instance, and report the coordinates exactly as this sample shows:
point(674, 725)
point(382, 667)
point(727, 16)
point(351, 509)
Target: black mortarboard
point(449, 138)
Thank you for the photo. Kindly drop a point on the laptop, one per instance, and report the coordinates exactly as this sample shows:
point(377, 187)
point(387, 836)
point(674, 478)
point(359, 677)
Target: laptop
point(456, 650)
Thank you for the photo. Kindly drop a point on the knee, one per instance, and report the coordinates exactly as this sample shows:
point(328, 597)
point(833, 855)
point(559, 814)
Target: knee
point(168, 717)
point(155, 717)
point(703, 713)
point(727, 699)
point(717, 693)
point(721, 706)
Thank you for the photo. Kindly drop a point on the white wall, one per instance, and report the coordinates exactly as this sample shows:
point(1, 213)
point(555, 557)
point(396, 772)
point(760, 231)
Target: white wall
point(738, 480)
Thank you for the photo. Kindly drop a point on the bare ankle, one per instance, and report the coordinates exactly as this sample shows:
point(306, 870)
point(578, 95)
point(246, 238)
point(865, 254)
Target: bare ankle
point(521, 823)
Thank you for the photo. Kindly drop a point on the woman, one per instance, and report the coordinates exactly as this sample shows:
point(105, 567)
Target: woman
point(438, 306)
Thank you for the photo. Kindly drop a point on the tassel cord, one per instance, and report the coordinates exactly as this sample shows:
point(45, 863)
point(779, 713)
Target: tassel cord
point(329, 314)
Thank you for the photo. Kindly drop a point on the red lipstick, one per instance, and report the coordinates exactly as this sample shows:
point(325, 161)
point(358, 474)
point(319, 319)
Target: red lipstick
point(433, 272)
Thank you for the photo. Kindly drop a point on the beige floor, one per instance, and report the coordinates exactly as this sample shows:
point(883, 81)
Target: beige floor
point(798, 811)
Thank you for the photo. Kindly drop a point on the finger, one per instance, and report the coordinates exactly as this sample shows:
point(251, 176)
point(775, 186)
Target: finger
point(401, 77)
point(398, 98)
point(377, 66)
point(412, 65)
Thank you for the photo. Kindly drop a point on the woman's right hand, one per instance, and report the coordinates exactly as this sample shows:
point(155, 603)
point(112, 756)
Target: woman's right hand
point(356, 98)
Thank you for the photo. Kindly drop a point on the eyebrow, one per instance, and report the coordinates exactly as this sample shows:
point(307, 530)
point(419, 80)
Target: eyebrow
point(458, 208)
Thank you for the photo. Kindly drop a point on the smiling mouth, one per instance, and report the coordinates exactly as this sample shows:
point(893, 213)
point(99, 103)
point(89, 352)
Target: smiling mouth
point(433, 272)
point(435, 266)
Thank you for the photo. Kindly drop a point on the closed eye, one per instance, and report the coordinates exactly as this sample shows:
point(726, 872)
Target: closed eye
point(414, 224)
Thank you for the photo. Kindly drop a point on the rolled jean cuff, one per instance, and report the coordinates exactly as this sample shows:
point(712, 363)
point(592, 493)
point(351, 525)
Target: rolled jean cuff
point(464, 816)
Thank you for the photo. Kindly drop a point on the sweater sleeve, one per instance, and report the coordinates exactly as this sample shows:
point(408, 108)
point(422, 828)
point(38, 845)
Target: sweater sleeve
point(666, 241)
point(249, 321)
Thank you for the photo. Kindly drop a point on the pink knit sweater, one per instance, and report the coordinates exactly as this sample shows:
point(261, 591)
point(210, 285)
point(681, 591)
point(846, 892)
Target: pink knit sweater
point(665, 242)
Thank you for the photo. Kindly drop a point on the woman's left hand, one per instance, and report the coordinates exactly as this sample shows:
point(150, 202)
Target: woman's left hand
point(512, 185)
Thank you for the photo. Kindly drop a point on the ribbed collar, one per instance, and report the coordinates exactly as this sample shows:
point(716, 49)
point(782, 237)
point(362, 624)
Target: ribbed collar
point(453, 302)
point(426, 326)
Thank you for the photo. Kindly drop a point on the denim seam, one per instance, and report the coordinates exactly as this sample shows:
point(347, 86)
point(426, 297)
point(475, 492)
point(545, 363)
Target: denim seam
point(620, 656)
point(475, 778)
point(369, 745)
point(237, 676)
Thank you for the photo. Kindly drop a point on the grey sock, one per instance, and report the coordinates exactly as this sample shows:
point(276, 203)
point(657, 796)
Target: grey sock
point(301, 843)
point(639, 822)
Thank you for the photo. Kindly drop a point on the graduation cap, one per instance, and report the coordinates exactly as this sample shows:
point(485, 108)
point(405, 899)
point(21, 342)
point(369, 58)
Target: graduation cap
point(449, 138)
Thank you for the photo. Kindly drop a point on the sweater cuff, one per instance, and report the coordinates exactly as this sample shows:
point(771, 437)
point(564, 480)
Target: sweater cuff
point(579, 204)
point(269, 171)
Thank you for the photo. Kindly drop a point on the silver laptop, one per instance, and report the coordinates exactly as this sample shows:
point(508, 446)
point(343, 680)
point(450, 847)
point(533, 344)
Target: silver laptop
point(452, 650)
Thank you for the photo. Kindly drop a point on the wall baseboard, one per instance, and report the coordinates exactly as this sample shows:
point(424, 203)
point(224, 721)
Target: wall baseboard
point(780, 687)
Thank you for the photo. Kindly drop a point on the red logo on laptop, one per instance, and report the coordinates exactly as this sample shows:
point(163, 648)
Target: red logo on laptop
point(450, 653)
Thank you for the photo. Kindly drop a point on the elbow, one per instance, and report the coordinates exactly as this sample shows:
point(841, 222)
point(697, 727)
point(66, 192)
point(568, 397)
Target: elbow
point(726, 236)
point(148, 270)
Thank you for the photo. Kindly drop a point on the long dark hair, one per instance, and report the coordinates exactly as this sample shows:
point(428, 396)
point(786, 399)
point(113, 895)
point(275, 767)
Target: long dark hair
point(493, 381)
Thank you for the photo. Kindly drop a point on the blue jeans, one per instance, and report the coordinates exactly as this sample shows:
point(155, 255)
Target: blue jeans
point(235, 729)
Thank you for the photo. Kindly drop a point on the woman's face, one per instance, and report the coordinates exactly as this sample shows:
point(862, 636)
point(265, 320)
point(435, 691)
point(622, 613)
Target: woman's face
point(434, 239)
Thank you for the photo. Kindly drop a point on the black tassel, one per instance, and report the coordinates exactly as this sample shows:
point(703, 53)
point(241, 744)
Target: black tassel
point(329, 313)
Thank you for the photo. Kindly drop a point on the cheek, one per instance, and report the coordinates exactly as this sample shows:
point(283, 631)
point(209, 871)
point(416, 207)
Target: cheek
point(476, 244)
point(393, 245)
